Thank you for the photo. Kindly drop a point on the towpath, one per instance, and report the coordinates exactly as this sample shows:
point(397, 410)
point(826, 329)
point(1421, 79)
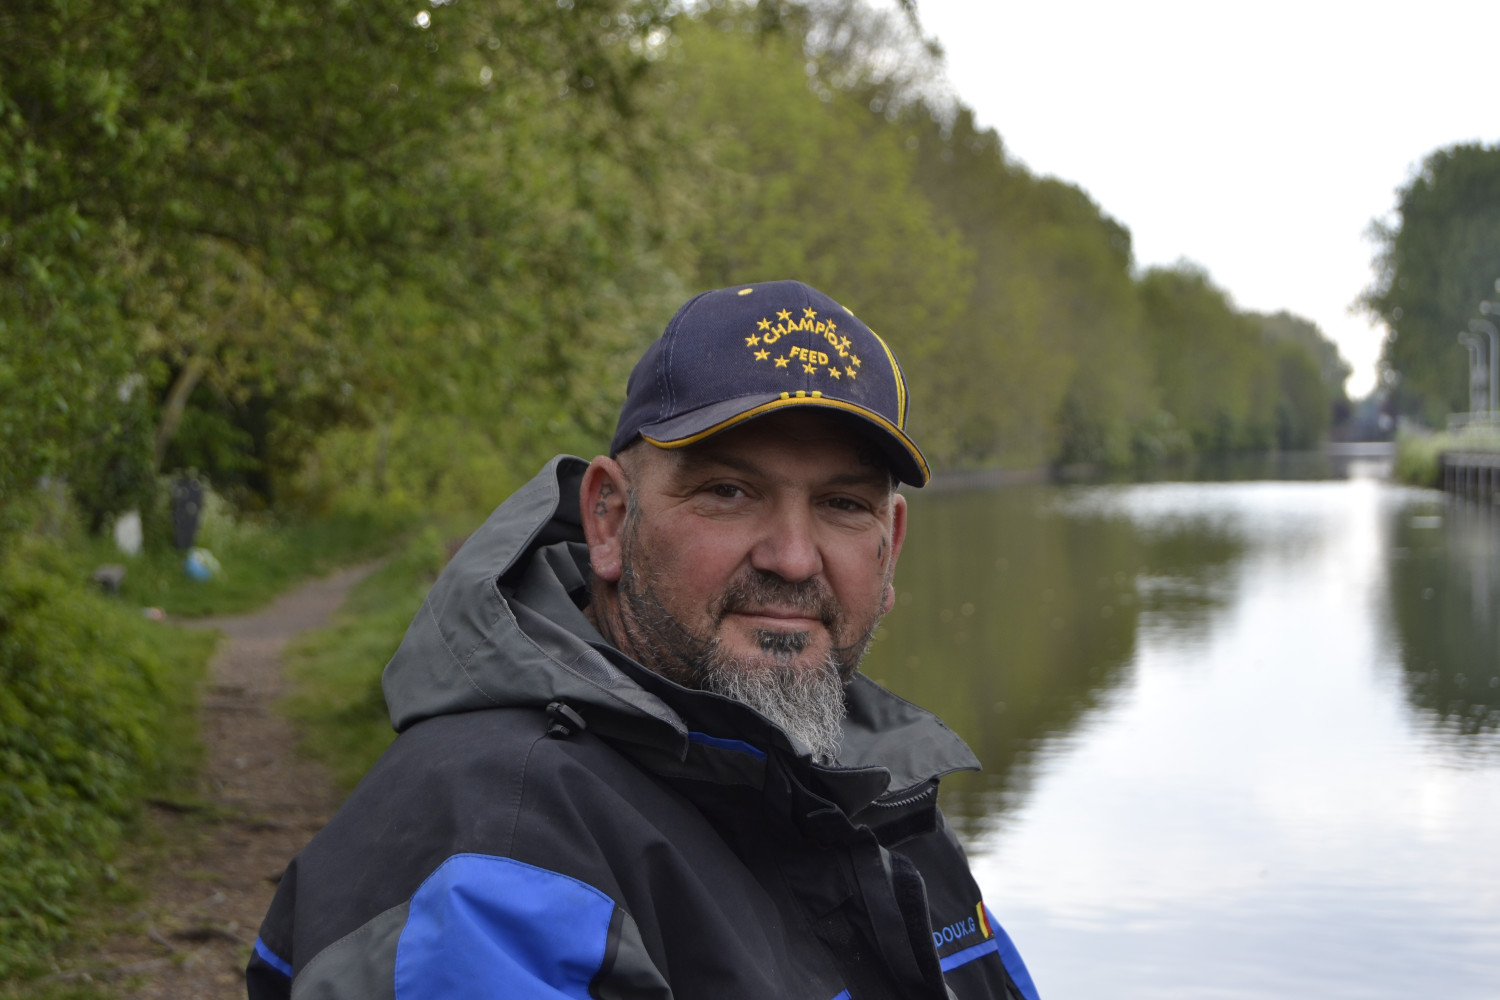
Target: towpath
point(190, 939)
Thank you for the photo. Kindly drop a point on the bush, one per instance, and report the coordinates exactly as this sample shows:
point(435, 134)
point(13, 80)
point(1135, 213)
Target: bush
point(413, 465)
point(1419, 457)
point(92, 703)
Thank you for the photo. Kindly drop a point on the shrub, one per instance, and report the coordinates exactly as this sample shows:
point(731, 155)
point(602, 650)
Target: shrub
point(92, 698)
point(1419, 457)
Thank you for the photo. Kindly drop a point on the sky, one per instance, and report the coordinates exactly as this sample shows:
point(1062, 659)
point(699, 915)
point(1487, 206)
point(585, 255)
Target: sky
point(1257, 141)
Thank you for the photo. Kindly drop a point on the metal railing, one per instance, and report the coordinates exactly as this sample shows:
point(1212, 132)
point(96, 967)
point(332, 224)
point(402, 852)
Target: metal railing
point(1477, 421)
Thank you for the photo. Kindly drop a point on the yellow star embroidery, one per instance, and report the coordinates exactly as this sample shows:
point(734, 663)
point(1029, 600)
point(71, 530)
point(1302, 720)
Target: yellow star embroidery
point(765, 324)
point(783, 315)
point(843, 343)
point(851, 372)
point(809, 313)
point(781, 362)
point(810, 369)
point(855, 359)
point(762, 355)
point(835, 372)
point(752, 341)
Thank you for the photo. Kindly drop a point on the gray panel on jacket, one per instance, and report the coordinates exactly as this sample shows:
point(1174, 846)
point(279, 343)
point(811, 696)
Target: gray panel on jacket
point(358, 966)
point(633, 976)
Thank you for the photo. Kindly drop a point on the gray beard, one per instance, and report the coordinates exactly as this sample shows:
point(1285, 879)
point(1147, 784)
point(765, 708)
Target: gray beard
point(806, 702)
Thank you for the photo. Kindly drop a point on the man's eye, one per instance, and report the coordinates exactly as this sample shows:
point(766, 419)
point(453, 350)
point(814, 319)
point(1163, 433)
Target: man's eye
point(727, 490)
point(845, 503)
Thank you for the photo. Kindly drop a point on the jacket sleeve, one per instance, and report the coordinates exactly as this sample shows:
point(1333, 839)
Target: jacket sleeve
point(268, 976)
point(480, 926)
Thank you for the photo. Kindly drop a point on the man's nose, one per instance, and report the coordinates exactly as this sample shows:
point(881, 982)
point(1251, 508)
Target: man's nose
point(788, 547)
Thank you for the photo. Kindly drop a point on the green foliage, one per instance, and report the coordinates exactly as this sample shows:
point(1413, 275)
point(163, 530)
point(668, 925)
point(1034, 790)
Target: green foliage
point(1310, 377)
point(1010, 298)
point(1216, 378)
point(1419, 459)
point(258, 556)
point(1302, 404)
point(1333, 370)
point(1051, 324)
point(805, 183)
point(219, 197)
point(411, 466)
point(327, 253)
point(1434, 266)
point(92, 706)
point(1419, 456)
point(336, 697)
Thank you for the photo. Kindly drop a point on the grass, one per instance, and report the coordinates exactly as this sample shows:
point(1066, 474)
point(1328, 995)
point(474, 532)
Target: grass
point(113, 908)
point(1419, 456)
point(257, 559)
point(336, 701)
point(98, 713)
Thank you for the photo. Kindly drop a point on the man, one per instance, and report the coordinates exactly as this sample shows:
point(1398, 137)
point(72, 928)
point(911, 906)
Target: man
point(636, 758)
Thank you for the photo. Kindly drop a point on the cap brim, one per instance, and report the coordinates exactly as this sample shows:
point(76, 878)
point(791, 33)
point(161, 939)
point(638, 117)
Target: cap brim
point(906, 459)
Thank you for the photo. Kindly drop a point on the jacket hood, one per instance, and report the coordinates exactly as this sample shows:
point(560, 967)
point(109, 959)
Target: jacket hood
point(503, 626)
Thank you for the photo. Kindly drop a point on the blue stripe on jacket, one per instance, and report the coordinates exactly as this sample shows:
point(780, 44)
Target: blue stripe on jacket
point(1019, 974)
point(493, 928)
point(272, 959)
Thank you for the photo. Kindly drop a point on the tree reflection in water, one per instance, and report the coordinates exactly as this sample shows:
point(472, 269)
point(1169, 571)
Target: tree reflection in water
point(1017, 613)
point(1444, 571)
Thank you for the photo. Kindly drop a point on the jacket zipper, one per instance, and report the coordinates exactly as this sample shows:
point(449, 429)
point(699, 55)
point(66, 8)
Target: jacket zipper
point(927, 792)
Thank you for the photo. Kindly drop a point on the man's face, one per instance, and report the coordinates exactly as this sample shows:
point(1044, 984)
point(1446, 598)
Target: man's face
point(761, 555)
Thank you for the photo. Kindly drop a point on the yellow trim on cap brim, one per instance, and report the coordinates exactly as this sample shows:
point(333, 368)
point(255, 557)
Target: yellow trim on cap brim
point(895, 374)
point(794, 400)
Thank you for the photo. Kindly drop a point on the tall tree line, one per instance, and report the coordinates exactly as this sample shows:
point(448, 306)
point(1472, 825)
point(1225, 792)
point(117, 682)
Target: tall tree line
point(312, 250)
point(1438, 260)
point(1014, 300)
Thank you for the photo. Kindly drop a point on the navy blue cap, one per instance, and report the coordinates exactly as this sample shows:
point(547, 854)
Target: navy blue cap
point(738, 353)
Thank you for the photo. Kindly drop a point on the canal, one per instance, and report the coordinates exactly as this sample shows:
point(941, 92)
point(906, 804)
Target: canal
point(1241, 738)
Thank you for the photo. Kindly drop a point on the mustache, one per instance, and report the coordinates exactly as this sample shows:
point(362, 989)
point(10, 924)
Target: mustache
point(757, 588)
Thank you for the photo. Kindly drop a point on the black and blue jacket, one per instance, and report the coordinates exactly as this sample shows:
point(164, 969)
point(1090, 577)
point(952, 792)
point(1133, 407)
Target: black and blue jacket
point(556, 821)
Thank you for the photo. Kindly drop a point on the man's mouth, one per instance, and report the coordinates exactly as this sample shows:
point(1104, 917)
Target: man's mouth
point(777, 614)
point(772, 603)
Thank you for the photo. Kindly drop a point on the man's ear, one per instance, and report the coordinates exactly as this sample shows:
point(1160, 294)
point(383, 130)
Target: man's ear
point(898, 536)
point(601, 501)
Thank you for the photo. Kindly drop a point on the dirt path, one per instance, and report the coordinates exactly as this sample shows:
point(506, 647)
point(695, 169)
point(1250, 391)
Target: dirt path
point(191, 939)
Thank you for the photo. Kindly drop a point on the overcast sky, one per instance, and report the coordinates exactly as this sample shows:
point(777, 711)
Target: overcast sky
point(1256, 140)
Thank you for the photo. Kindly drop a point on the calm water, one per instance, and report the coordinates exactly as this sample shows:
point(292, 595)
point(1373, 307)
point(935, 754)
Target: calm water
point(1241, 739)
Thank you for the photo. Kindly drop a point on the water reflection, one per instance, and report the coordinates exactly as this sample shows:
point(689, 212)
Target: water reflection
point(1240, 738)
point(1445, 582)
point(1017, 614)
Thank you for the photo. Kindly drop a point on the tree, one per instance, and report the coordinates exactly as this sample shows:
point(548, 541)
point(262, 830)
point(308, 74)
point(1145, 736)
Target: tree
point(1434, 265)
point(798, 179)
point(1333, 370)
point(1216, 377)
point(1052, 322)
point(1310, 375)
point(219, 197)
